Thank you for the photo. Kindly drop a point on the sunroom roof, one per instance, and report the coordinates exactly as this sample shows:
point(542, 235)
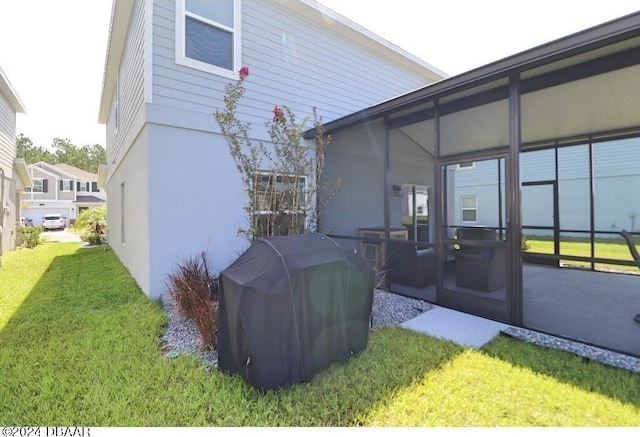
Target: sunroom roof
point(600, 64)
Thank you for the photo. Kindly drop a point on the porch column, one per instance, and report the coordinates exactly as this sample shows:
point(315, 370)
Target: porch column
point(387, 179)
point(387, 193)
point(514, 218)
point(439, 201)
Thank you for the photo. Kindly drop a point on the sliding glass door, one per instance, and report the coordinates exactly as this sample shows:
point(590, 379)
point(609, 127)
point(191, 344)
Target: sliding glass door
point(475, 257)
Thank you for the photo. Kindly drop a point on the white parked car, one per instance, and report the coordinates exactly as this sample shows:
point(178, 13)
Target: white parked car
point(53, 221)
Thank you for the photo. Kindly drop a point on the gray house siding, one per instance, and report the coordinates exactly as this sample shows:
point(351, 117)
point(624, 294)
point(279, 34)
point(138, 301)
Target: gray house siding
point(175, 86)
point(356, 157)
point(616, 182)
point(7, 154)
point(55, 199)
point(166, 150)
point(487, 204)
point(284, 54)
point(7, 137)
point(49, 182)
point(616, 201)
point(128, 100)
point(12, 180)
point(480, 181)
point(360, 165)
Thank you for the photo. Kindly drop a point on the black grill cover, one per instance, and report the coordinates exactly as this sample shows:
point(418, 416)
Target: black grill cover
point(291, 305)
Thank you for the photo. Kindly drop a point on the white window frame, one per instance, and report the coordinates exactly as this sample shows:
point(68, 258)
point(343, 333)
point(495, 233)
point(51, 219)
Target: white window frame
point(86, 185)
point(67, 185)
point(33, 188)
point(463, 209)
point(180, 41)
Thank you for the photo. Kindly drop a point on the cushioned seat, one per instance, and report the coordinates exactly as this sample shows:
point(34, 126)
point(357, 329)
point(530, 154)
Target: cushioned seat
point(483, 270)
point(406, 265)
point(480, 268)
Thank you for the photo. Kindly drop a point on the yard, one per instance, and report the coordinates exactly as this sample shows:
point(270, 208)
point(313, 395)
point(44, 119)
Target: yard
point(613, 248)
point(79, 345)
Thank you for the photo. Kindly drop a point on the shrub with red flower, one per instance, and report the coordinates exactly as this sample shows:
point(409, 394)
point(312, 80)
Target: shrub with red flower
point(278, 115)
point(271, 173)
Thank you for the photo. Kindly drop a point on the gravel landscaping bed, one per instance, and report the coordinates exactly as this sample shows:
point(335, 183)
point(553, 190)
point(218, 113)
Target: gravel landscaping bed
point(593, 353)
point(181, 335)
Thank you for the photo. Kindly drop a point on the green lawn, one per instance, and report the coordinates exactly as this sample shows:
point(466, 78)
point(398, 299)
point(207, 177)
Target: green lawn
point(79, 345)
point(615, 249)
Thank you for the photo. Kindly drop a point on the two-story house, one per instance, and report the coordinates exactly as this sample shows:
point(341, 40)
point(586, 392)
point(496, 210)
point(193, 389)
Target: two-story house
point(14, 177)
point(174, 189)
point(61, 189)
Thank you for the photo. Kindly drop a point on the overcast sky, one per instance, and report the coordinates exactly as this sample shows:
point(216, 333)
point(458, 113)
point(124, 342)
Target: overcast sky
point(53, 51)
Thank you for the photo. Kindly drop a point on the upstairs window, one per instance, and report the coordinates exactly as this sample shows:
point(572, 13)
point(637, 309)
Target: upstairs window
point(83, 186)
point(208, 35)
point(38, 186)
point(66, 185)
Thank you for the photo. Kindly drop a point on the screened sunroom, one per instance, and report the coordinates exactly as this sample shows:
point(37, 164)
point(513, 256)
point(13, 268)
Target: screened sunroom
point(505, 191)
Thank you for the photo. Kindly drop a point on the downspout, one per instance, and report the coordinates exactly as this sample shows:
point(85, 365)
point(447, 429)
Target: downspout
point(1, 210)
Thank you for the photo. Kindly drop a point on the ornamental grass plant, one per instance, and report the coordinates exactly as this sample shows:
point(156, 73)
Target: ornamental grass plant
point(80, 345)
point(195, 294)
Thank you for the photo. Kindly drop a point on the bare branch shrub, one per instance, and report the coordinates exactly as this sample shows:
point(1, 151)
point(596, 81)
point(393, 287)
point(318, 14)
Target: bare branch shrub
point(195, 293)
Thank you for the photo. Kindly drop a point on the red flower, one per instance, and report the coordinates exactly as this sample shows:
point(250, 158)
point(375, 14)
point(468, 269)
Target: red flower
point(278, 114)
point(244, 72)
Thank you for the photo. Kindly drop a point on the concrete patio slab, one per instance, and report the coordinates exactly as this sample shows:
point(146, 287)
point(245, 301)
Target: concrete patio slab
point(461, 328)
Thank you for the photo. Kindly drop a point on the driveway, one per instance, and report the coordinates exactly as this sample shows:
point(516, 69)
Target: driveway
point(63, 236)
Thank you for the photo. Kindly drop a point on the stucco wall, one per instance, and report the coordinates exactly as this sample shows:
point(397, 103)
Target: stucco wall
point(196, 202)
point(128, 228)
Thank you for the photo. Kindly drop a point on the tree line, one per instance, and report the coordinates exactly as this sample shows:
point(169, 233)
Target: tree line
point(86, 157)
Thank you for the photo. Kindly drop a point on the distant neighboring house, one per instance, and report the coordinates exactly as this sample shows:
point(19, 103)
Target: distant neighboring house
point(608, 187)
point(14, 177)
point(174, 189)
point(61, 189)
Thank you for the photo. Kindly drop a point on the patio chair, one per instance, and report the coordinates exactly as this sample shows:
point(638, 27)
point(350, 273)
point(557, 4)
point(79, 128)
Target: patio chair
point(480, 268)
point(407, 265)
point(634, 253)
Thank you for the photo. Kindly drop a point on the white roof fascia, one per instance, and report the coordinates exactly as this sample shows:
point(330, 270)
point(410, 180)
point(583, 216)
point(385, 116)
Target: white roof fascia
point(20, 165)
point(102, 176)
point(49, 170)
point(121, 11)
point(7, 90)
point(121, 16)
